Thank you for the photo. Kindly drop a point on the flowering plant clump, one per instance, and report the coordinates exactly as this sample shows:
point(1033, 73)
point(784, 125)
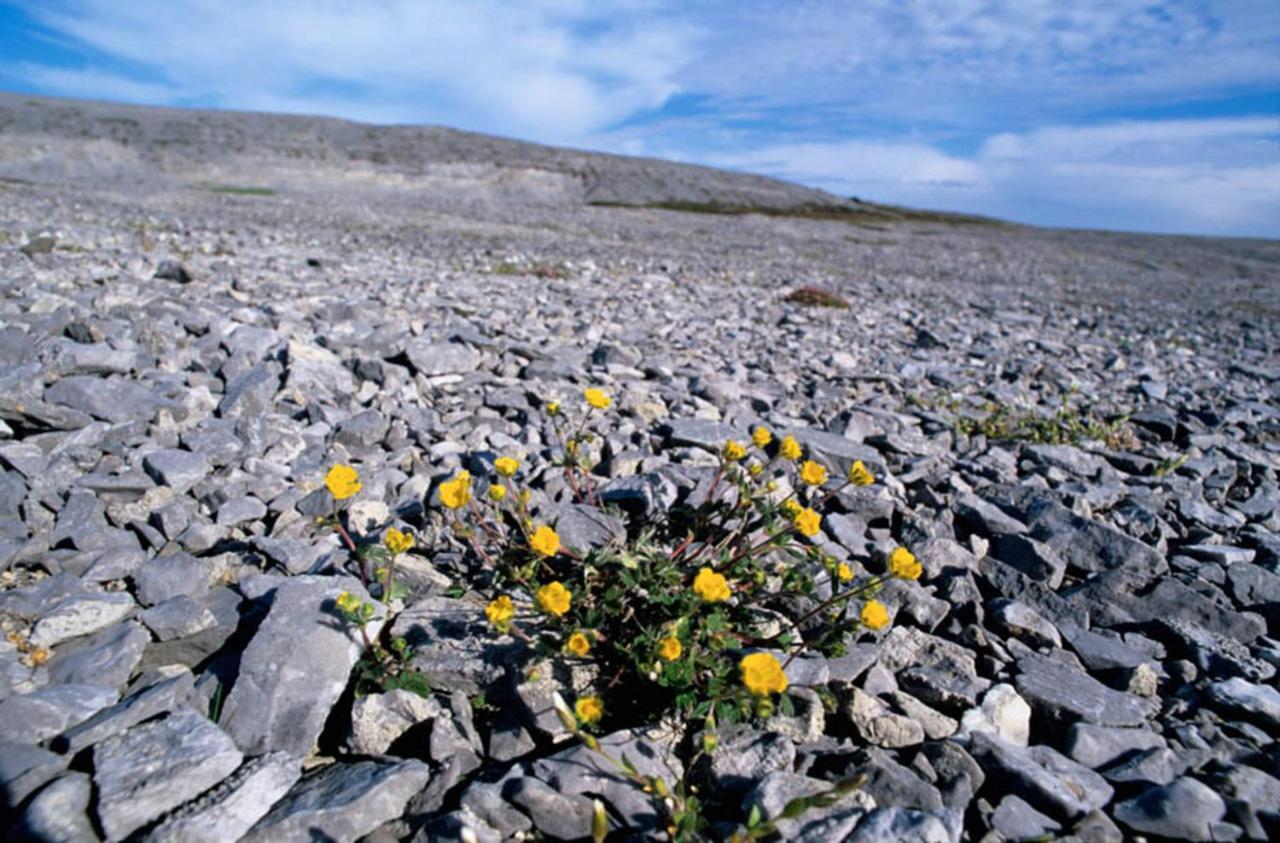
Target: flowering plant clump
point(677, 618)
point(688, 618)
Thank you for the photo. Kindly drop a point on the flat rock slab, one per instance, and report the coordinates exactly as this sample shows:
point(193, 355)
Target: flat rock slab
point(155, 767)
point(231, 808)
point(341, 803)
point(40, 715)
point(1184, 809)
point(1045, 778)
point(1066, 695)
point(82, 614)
point(295, 668)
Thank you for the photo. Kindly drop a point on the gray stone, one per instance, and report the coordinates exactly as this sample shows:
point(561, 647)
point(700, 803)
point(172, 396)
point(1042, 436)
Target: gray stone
point(24, 768)
point(837, 453)
point(295, 667)
point(1098, 746)
point(342, 802)
point(743, 756)
point(1215, 654)
point(1020, 621)
point(1047, 779)
point(443, 633)
point(775, 791)
point(1157, 766)
point(165, 695)
point(178, 617)
point(937, 671)
point(580, 771)
point(1101, 652)
point(79, 615)
point(985, 518)
point(107, 658)
point(877, 725)
point(441, 358)
point(1184, 809)
point(177, 469)
point(1017, 820)
point(900, 824)
point(1038, 561)
point(59, 813)
point(155, 767)
point(1260, 703)
point(485, 801)
point(171, 270)
point(111, 400)
point(175, 575)
point(377, 720)
point(557, 815)
point(39, 715)
point(251, 393)
point(232, 807)
point(240, 510)
point(701, 433)
point(1064, 694)
point(584, 527)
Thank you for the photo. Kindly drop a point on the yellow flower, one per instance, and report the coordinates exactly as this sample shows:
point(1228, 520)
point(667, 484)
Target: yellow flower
point(544, 541)
point(552, 408)
point(670, 648)
point(807, 522)
point(859, 476)
point(875, 615)
point(902, 563)
point(710, 586)
point(789, 449)
point(347, 601)
point(813, 473)
point(579, 644)
point(343, 482)
point(762, 674)
point(506, 466)
point(761, 437)
point(844, 572)
point(456, 493)
point(37, 657)
point(733, 451)
point(500, 612)
point(554, 598)
point(497, 492)
point(596, 398)
point(589, 709)
point(791, 507)
point(396, 541)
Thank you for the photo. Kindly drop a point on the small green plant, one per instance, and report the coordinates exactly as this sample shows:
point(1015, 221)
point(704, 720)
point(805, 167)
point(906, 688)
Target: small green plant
point(815, 297)
point(238, 189)
point(382, 667)
point(1067, 425)
point(537, 269)
point(1169, 465)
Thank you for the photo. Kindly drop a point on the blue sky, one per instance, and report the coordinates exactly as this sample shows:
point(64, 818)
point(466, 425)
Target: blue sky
point(1083, 113)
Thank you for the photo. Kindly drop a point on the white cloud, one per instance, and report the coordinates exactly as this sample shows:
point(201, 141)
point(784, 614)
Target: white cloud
point(553, 69)
point(1207, 176)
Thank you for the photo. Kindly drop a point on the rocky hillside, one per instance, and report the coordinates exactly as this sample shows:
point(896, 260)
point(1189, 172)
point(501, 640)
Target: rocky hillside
point(1076, 434)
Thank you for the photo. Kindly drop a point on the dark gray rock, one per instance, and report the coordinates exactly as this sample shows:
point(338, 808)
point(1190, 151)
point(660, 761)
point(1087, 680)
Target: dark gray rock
point(342, 802)
point(1184, 809)
point(743, 756)
point(111, 400)
point(164, 695)
point(155, 767)
point(180, 470)
point(1035, 559)
point(1098, 746)
point(1048, 780)
point(904, 824)
point(445, 634)
point(178, 617)
point(39, 715)
point(834, 822)
point(1063, 694)
point(171, 270)
point(1260, 703)
point(25, 768)
point(557, 815)
point(107, 658)
point(295, 667)
point(174, 575)
point(1017, 820)
point(435, 358)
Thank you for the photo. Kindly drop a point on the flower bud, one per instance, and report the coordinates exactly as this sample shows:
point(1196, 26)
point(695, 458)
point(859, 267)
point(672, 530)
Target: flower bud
point(599, 822)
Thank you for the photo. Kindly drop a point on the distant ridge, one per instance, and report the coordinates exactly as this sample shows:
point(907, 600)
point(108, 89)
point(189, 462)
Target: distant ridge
point(113, 139)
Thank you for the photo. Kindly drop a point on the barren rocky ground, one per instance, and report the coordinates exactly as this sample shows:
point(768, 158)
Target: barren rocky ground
point(1077, 433)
